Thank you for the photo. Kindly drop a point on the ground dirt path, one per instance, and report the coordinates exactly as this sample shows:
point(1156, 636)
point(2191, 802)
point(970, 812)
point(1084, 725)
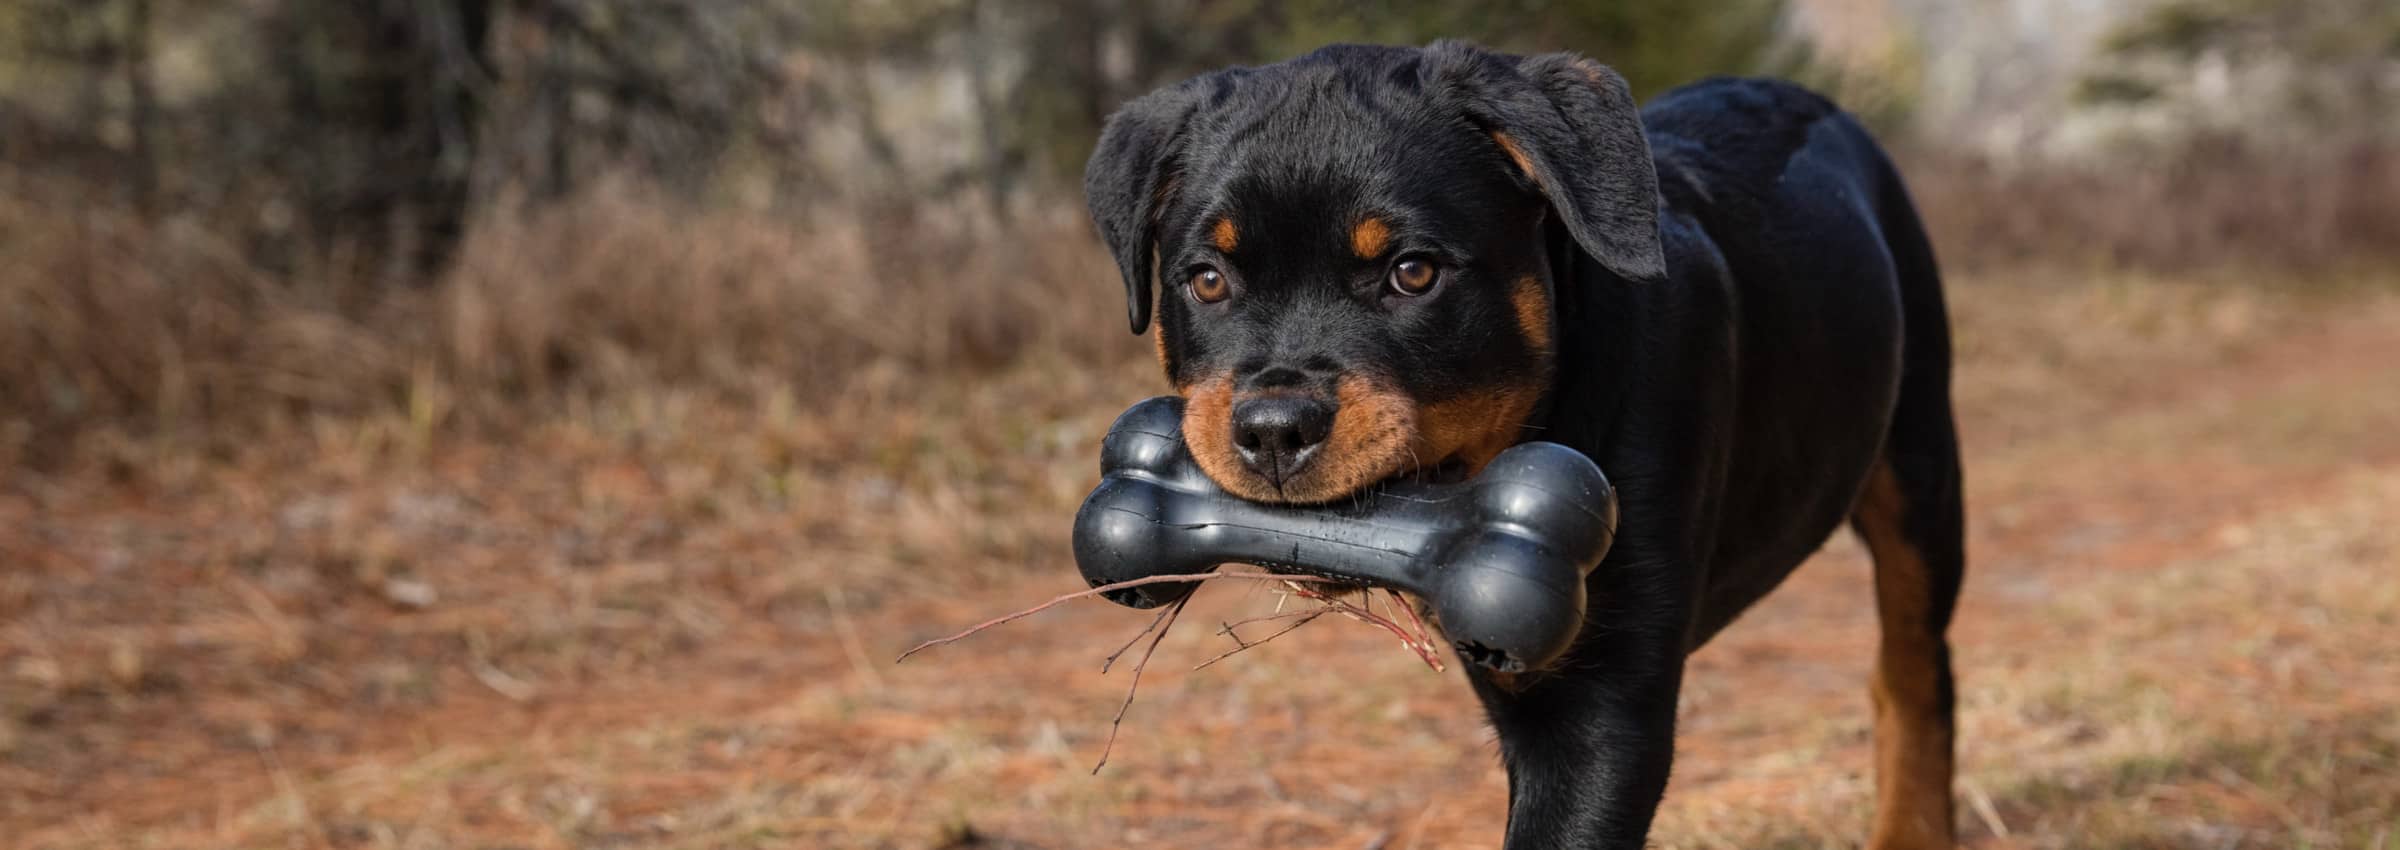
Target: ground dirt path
point(2177, 632)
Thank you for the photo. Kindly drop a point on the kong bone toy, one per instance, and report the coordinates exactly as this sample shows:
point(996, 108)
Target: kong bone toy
point(1501, 558)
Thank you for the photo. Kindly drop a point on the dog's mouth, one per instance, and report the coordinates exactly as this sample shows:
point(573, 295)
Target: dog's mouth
point(1450, 470)
point(1390, 607)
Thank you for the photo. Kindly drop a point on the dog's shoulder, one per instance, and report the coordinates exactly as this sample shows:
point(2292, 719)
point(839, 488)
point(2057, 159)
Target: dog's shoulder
point(1746, 118)
point(1732, 134)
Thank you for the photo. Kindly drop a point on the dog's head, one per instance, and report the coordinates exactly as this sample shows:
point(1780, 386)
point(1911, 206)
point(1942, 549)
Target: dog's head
point(1355, 251)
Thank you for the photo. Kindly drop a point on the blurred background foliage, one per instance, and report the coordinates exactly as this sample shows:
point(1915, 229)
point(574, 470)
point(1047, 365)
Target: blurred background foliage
point(376, 124)
point(374, 127)
point(2322, 63)
point(424, 181)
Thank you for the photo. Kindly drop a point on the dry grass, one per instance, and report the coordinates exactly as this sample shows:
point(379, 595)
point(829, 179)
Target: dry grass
point(107, 324)
point(111, 324)
point(605, 540)
point(664, 620)
point(2207, 205)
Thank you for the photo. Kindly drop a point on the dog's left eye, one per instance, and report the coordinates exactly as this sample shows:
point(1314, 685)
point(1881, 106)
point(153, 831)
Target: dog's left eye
point(1414, 276)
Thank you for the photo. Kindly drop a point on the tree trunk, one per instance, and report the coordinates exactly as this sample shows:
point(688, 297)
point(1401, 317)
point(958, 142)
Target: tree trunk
point(142, 106)
point(998, 174)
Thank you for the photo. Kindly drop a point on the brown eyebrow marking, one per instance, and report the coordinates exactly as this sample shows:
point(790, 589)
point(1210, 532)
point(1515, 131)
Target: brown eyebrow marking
point(1225, 235)
point(1515, 154)
point(1370, 237)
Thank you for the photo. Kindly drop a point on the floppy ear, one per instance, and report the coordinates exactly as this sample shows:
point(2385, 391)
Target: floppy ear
point(1130, 179)
point(1572, 125)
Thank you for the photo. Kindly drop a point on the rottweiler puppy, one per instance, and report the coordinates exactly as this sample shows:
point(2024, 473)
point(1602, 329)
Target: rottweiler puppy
point(1381, 261)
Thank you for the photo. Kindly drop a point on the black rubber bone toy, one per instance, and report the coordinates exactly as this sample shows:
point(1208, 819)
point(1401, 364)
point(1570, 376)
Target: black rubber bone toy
point(1501, 558)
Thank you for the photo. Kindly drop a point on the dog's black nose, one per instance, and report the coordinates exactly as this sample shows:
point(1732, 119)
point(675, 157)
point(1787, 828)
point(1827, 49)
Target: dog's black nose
point(1278, 434)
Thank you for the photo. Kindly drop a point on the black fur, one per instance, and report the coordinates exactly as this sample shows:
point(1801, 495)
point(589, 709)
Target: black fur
point(1742, 297)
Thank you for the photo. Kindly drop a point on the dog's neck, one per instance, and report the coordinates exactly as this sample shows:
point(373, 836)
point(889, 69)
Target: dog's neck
point(1597, 315)
point(1559, 753)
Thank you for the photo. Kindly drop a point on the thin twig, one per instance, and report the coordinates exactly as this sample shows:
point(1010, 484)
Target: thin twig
point(1241, 645)
point(1424, 649)
point(1152, 649)
point(1424, 632)
point(1064, 598)
point(1227, 628)
point(1159, 626)
point(1111, 661)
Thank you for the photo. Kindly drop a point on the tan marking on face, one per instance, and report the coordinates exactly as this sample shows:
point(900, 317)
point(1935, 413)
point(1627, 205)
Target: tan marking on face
point(1370, 237)
point(1533, 313)
point(1913, 734)
point(1225, 235)
point(1369, 442)
point(1208, 430)
point(1158, 338)
point(1516, 155)
point(1473, 428)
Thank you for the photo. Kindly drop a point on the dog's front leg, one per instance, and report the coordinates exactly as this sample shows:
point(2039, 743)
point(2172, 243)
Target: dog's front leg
point(1588, 742)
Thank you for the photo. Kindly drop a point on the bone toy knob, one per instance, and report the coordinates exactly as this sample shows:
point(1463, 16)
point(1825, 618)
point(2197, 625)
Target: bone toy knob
point(1501, 558)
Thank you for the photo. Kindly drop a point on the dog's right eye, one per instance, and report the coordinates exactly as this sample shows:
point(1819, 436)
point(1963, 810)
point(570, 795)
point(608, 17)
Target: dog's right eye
point(1210, 286)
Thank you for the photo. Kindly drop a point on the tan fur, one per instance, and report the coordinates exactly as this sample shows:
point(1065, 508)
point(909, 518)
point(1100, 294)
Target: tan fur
point(1533, 313)
point(1378, 430)
point(1370, 441)
point(1208, 431)
point(1370, 237)
point(1474, 428)
point(1225, 235)
point(1913, 759)
point(1516, 155)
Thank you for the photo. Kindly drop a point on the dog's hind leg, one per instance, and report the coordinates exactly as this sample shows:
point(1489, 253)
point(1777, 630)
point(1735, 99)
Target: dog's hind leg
point(1912, 518)
point(1909, 517)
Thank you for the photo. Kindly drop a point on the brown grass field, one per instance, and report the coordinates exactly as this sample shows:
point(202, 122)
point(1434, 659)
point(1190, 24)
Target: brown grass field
point(667, 619)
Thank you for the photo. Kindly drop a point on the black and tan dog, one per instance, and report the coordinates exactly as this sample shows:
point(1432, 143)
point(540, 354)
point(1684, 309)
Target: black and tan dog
point(1380, 262)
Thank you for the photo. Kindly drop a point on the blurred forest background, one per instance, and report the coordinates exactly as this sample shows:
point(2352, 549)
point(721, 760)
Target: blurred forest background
point(536, 423)
point(309, 207)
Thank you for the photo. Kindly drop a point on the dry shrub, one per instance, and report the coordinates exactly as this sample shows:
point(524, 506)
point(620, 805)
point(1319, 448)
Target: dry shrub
point(163, 327)
point(104, 319)
point(623, 290)
point(2208, 204)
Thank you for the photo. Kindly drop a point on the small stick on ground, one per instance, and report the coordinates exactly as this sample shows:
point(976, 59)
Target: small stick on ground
point(1166, 621)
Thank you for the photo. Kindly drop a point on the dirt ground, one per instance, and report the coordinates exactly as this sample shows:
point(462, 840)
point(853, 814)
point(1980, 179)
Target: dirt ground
point(658, 622)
